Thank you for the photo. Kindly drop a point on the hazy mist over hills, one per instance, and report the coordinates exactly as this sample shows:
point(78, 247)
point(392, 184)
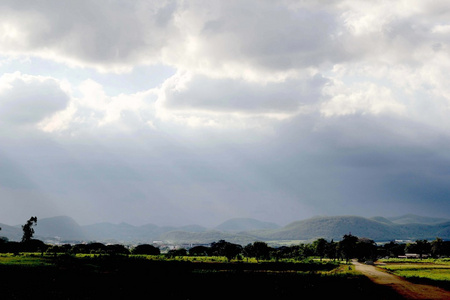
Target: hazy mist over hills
point(195, 112)
point(240, 230)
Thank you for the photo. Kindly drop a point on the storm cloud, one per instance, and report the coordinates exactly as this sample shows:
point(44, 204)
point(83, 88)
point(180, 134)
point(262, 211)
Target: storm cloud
point(177, 112)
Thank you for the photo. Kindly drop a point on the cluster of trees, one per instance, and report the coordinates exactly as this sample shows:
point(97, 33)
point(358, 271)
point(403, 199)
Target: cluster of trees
point(435, 248)
point(27, 243)
point(349, 247)
point(89, 248)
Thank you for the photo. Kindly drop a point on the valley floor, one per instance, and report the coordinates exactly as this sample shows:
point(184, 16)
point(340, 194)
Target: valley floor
point(128, 278)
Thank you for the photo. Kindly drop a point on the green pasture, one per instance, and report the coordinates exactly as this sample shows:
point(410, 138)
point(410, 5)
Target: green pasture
point(49, 259)
point(28, 259)
point(427, 269)
point(103, 276)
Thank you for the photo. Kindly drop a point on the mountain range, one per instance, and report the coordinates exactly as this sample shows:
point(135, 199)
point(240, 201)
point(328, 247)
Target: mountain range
point(64, 229)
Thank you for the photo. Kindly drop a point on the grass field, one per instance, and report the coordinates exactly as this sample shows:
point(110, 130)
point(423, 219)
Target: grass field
point(430, 271)
point(121, 277)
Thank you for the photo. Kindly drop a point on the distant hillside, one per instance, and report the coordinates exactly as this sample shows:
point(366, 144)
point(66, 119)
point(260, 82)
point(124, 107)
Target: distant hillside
point(206, 237)
point(336, 227)
point(332, 228)
point(409, 219)
point(244, 224)
point(59, 227)
point(382, 220)
point(239, 230)
point(119, 232)
point(124, 232)
point(13, 233)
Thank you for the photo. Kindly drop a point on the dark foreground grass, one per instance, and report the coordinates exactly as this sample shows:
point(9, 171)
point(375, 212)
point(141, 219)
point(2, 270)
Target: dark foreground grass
point(124, 278)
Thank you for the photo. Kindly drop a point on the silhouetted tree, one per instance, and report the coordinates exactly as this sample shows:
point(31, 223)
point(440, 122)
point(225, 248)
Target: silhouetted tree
point(331, 250)
point(96, 248)
point(437, 247)
point(347, 246)
point(3, 243)
point(145, 249)
point(28, 230)
point(420, 247)
point(34, 245)
point(177, 252)
point(117, 249)
point(199, 251)
point(13, 247)
point(258, 250)
point(227, 249)
point(293, 251)
point(393, 249)
point(320, 247)
point(366, 249)
point(80, 248)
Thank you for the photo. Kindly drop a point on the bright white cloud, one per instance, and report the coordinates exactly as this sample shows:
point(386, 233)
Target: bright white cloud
point(364, 98)
point(94, 109)
point(229, 38)
point(321, 78)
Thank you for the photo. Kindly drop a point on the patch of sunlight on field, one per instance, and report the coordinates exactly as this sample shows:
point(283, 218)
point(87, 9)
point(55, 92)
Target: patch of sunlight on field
point(434, 269)
point(25, 260)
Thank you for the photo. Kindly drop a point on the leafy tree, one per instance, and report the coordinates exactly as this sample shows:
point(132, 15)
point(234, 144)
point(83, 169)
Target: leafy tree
point(437, 247)
point(80, 248)
point(420, 247)
point(177, 252)
point(117, 249)
point(294, 251)
point(248, 251)
point(199, 251)
point(331, 250)
point(34, 245)
point(259, 250)
point(227, 249)
point(347, 246)
point(306, 250)
point(3, 244)
point(366, 249)
point(320, 247)
point(146, 249)
point(13, 247)
point(393, 249)
point(96, 248)
point(28, 230)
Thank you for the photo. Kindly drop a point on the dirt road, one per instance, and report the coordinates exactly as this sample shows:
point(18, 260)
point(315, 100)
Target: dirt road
point(405, 288)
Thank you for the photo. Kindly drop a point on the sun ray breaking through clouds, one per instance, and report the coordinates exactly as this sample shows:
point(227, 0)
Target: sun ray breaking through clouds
point(180, 112)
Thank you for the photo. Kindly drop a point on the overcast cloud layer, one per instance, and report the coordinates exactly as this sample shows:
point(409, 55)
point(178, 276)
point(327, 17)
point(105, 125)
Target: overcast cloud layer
point(180, 112)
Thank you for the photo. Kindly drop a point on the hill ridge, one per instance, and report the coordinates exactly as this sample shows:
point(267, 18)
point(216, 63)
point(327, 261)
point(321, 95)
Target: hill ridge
point(63, 228)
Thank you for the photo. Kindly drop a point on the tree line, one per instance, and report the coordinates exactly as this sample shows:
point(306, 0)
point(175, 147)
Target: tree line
point(348, 248)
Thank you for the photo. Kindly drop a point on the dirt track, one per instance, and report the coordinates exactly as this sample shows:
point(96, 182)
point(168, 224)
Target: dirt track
point(405, 288)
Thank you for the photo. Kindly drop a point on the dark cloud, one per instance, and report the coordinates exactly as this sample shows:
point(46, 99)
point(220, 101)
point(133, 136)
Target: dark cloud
point(274, 110)
point(231, 95)
point(27, 100)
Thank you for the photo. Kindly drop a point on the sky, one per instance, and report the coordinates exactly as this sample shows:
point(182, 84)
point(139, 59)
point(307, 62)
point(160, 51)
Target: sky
point(194, 112)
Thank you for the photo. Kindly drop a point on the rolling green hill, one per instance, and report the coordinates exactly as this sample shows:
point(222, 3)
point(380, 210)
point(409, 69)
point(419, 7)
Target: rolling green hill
point(409, 219)
point(11, 232)
point(244, 224)
point(242, 231)
point(332, 228)
point(59, 227)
